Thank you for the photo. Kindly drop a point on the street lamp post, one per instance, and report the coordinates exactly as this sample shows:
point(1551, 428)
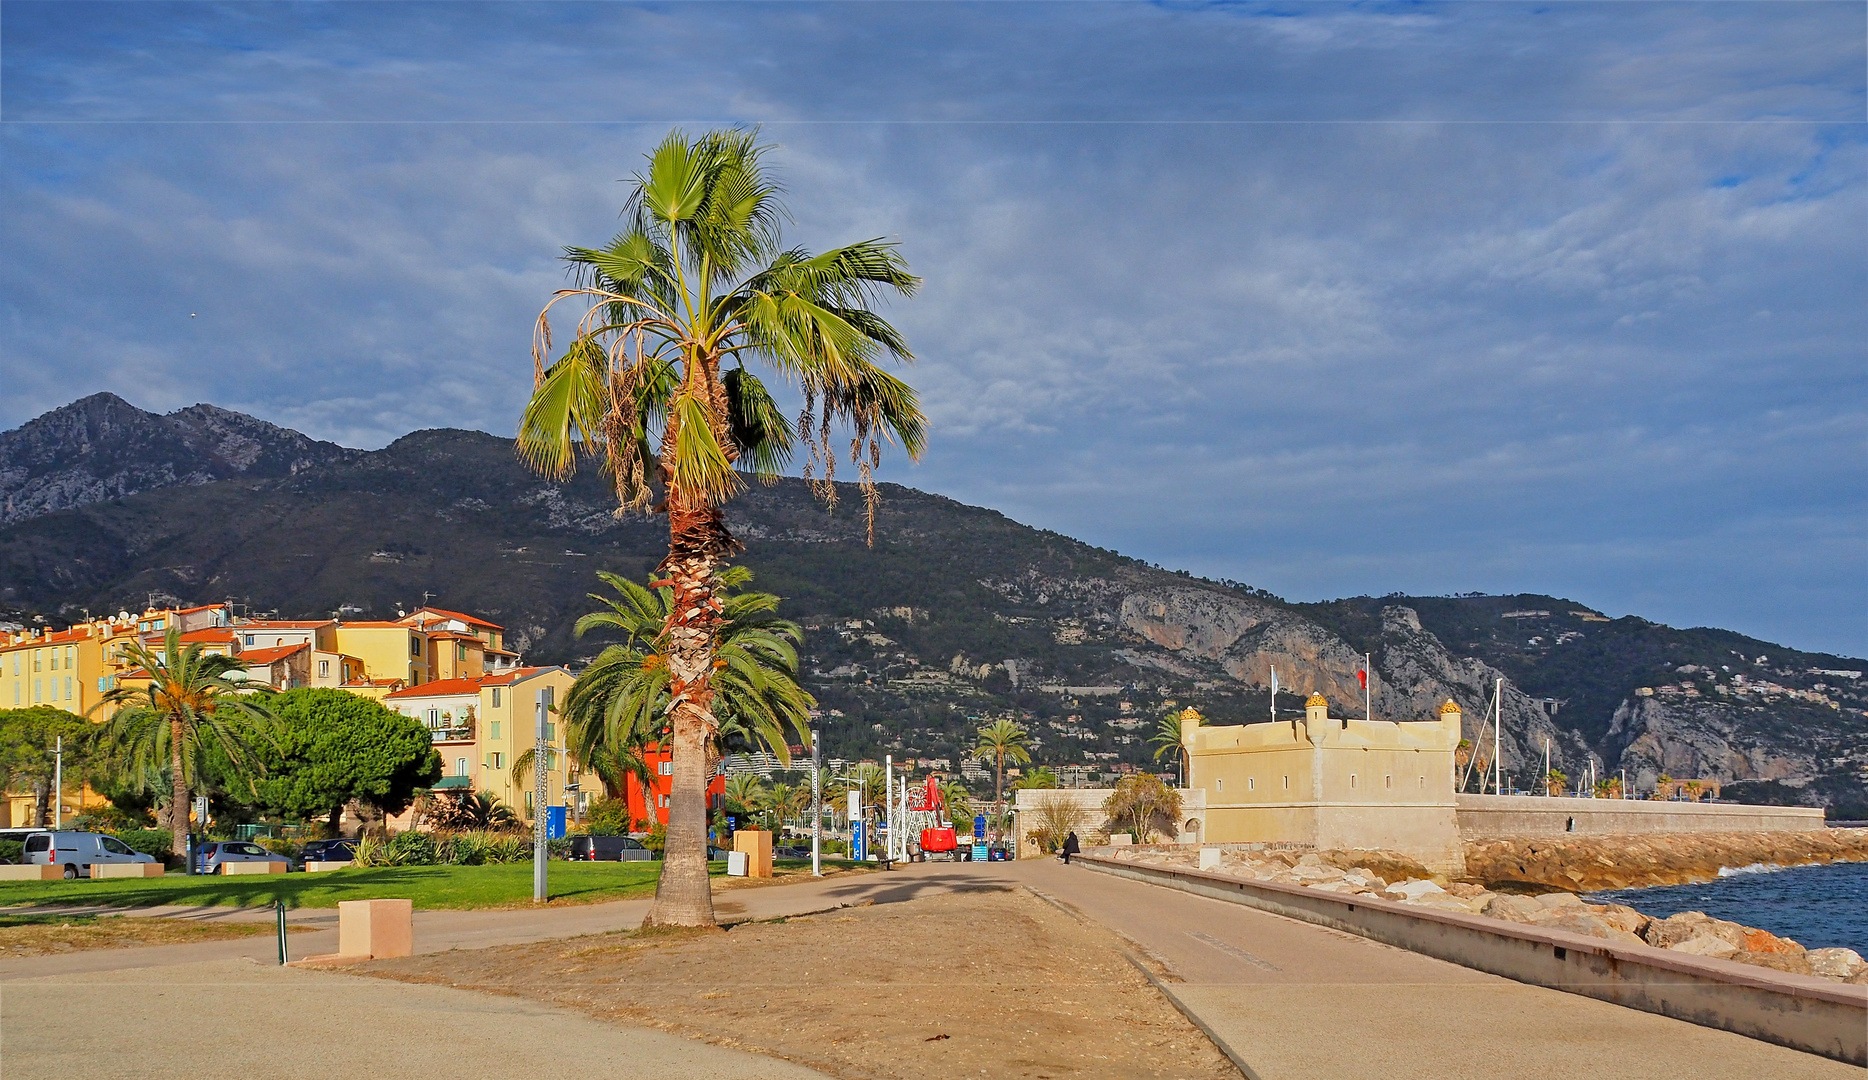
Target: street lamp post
point(817, 810)
point(538, 799)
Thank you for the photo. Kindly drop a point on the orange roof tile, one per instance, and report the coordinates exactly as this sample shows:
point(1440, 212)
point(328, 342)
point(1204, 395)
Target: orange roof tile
point(282, 624)
point(440, 688)
point(212, 636)
point(257, 657)
point(469, 619)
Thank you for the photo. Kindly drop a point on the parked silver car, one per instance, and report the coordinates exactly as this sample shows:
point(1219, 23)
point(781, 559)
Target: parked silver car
point(78, 851)
point(210, 856)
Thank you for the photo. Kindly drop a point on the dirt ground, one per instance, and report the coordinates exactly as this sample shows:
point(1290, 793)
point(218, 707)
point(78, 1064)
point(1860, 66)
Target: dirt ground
point(40, 935)
point(989, 983)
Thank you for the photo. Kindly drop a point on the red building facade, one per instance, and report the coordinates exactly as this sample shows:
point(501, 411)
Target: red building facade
point(661, 773)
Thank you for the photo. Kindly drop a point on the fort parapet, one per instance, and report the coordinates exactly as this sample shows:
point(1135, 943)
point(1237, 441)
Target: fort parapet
point(1331, 782)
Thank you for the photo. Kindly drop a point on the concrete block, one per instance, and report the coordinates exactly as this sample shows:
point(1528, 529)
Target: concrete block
point(231, 868)
point(126, 869)
point(31, 872)
point(757, 844)
point(319, 866)
point(1209, 858)
point(376, 928)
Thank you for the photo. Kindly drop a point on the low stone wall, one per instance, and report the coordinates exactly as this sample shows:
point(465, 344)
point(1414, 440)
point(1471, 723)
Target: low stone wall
point(1512, 816)
point(1799, 1011)
point(1595, 863)
point(132, 869)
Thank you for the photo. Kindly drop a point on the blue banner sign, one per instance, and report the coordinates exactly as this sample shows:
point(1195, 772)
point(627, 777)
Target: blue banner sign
point(859, 846)
point(554, 822)
point(979, 826)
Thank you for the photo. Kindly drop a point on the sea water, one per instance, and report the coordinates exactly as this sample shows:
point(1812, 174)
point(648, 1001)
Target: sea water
point(1816, 906)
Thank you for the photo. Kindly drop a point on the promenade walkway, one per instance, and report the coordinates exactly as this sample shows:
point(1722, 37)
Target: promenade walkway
point(1289, 1000)
point(1294, 1001)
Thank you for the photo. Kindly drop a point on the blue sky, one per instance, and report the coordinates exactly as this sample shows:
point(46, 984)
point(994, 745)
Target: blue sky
point(1327, 298)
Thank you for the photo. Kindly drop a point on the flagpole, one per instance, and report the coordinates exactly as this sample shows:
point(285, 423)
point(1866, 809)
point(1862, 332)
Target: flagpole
point(1274, 693)
point(1368, 692)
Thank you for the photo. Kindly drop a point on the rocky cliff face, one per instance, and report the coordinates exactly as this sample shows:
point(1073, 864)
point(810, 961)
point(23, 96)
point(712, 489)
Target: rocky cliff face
point(102, 447)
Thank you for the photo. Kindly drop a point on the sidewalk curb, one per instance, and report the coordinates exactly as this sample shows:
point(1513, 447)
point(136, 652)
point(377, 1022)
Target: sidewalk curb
point(1193, 1018)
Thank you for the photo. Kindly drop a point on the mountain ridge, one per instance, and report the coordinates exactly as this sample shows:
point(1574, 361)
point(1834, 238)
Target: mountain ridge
point(957, 612)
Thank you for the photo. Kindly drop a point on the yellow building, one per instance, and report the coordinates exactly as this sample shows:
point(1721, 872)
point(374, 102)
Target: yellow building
point(481, 725)
point(1331, 782)
point(72, 669)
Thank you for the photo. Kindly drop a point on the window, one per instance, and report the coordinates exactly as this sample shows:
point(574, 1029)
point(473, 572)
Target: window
point(460, 651)
point(16, 693)
point(499, 761)
point(1287, 783)
point(67, 688)
point(37, 658)
point(1423, 781)
point(495, 731)
point(551, 733)
point(1352, 779)
point(528, 804)
point(51, 663)
point(38, 690)
point(324, 669)
point(661, 801)
point(666, 768)
point(496, 705)
point(114, 846)
point(247, 640)
point(1251, 783)
point(38, 842)
point(551, 761)
point(415, 646)
point(1222, 783)
point(460, 766)
point(71, 657)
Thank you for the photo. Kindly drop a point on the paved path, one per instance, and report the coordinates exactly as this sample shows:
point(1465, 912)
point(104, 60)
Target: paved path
point(238, 1020)
point(1296, 1001)
point(1291, 1000)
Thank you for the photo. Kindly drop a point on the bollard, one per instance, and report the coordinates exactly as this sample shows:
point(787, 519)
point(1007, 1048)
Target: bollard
point(282, 957)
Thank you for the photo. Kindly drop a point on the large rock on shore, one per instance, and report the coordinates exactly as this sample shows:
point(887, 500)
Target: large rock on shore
point(1595, 863)
point(1699, 934)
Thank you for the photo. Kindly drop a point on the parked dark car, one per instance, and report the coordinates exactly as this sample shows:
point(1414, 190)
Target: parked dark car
point(792, 852)
point(342, 849)
point(608, 849)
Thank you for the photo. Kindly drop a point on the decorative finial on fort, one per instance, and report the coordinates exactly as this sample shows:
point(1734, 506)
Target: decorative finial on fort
point(1449, 707)
point(1316, 700)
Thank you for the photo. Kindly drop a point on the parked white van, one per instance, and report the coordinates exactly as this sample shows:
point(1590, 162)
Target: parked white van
point(76, 851)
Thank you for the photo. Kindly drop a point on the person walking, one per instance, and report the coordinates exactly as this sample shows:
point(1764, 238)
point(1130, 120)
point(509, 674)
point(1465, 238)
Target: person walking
point(1071, 847)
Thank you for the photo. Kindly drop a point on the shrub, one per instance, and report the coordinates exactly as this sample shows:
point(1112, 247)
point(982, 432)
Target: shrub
point(410, 849)
point(12, 851)
point(462, 849)
point(657, 839)
point(608, 817)
point(507, 848)
point(559, 848)
point(279, 845)
point(157, 842)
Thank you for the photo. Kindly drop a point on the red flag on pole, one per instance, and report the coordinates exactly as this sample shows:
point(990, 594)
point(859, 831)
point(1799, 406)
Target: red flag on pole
point(1362, 676)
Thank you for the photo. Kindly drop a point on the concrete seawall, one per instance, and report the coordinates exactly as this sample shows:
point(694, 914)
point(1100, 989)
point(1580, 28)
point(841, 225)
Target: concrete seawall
point(1515, 816)
point(1801, 1012)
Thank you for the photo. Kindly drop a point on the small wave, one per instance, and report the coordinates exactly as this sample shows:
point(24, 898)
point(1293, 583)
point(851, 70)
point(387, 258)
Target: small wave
point(1754, 868)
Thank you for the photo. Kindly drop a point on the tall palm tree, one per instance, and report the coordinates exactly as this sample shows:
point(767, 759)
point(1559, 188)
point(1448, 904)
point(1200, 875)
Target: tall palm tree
point(1002, 741)
point(193, 702)
point(655, 383)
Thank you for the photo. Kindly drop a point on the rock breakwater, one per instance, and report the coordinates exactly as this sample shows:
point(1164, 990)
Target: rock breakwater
point(1599, 863)
point(1396, 877)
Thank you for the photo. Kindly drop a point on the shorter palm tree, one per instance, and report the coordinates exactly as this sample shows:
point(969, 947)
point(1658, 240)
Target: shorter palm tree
point(999, 742)
point(745, 793)
point(959, 802)
point(1167, 740)
point(190, 703)
point(469, 811)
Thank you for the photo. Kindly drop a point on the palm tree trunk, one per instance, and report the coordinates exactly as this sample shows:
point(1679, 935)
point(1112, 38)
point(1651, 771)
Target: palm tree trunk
point(178, 793)
point(697, 542)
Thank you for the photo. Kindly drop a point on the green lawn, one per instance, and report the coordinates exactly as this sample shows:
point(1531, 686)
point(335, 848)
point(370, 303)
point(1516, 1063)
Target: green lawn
point(429, 886)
